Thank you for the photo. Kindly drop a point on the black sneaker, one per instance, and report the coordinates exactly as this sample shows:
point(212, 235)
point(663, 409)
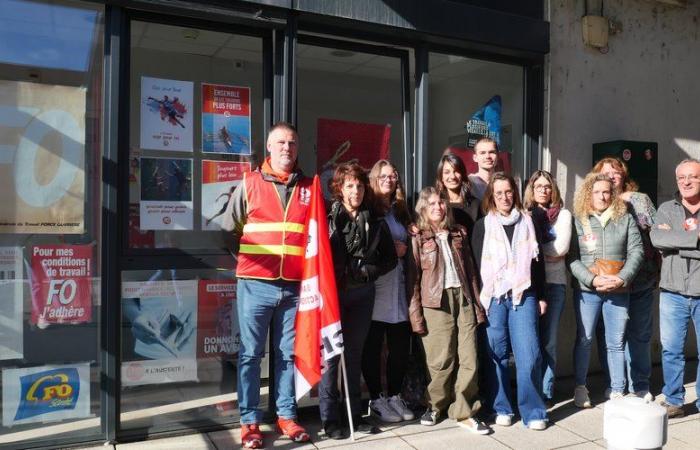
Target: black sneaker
point(333, 430)
point(429, 418)
point(364, 427)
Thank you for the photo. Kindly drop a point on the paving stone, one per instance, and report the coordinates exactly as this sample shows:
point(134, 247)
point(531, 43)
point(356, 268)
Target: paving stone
point(688, 431)
point(518, 437)
point(452, 438)
point(188, 442)
point(389, 442)
point(583, 422)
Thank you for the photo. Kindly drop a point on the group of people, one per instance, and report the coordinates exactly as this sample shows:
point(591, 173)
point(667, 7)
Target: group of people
point(477, 274)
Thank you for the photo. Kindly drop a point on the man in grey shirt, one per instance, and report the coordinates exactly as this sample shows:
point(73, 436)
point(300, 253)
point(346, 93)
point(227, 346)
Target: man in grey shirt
point(676, 234)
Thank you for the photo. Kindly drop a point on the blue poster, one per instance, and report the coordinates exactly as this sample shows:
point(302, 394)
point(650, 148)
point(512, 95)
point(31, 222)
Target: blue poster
point(485, 122)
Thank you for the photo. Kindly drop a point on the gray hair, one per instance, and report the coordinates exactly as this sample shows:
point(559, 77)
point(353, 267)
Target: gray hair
point(687, 161)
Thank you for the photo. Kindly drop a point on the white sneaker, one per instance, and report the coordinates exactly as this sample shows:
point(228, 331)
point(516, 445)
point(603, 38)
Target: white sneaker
point(380, 409)
point(581, 398)
point(615, 395)
point(504, 420)
point(474, 426)
point(538, 425)
point(399, 406)
point(646, 395)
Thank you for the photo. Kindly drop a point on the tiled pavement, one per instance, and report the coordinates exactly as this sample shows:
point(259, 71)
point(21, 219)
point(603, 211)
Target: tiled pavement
point(571, 428)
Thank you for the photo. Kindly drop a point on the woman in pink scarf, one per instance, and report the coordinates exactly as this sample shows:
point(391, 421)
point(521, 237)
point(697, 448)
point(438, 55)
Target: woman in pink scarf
point(512, 293)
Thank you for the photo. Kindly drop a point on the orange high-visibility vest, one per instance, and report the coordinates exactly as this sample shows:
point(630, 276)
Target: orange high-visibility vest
point(272, 244)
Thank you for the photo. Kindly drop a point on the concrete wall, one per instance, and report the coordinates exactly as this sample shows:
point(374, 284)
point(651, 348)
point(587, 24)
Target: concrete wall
point(645, 88)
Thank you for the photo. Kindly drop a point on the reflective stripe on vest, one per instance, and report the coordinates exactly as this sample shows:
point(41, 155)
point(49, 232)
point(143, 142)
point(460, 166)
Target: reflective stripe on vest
point(271, 246)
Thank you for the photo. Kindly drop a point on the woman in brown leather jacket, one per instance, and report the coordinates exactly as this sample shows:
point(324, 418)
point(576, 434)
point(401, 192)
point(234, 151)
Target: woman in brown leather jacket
point(445, 311)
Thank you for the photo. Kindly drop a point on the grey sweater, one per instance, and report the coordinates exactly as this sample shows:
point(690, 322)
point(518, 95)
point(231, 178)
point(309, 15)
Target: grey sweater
point(680, 268)
point(619, 240)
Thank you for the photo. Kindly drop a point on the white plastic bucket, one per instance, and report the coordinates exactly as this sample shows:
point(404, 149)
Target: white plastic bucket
point(632, 423)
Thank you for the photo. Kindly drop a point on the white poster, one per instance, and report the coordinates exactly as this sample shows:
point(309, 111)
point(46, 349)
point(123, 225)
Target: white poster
point(161, 317)
point(45, 393)
point(11, 292)
point(166, 114)
point(42, 158)
point(166, 194)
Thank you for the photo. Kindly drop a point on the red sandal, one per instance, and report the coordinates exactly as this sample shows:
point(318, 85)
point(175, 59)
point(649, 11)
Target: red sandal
point(251, 436)
point(292, 430)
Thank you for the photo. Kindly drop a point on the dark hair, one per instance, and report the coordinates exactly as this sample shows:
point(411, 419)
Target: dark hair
point(487, 204)
point(486, 140)
point(459, 167)
point(350, 170)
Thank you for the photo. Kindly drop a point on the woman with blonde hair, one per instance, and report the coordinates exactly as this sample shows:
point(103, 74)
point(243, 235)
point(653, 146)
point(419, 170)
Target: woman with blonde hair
point(513, 294)
point(605, 256)
point(553, 225)
point(390, 313)
point(640, 323)
point(444, 310)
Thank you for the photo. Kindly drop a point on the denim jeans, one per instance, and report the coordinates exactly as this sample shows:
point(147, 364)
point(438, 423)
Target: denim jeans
point(675, 311)
point(260, 304)
point(515, 327)
point(549, 329)
point(588, 307)
point(638, 347)
point(355, 319)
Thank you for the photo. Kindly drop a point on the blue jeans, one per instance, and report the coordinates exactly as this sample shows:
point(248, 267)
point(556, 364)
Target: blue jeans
point(515, 327)
point(261, 304)
point(675, 311)
point(588, 307)
point(637, 347)
point(549, 329)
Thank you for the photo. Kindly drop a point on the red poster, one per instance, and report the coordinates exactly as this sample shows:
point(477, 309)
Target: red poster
point(217, 323)
point(61, 284)
point(340, 141)
point(139, 238)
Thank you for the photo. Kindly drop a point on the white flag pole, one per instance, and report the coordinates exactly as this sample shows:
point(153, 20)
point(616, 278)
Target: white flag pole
point(347, 395)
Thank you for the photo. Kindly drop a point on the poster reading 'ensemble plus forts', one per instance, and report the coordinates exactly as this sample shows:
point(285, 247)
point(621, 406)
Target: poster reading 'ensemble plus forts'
point(225, 119)
point(42, 158)
point(166, 114)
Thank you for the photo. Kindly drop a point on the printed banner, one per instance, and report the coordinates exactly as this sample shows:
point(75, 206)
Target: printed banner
point(160, 318)
point(225, 119)
point(42, 158)
point(219, 179)
point(166, 114)
point(218, 334)
point(61, 284)
point(11, 294)
point(339, 141)
point(45, 394)
point(486, 122)
point(166, 194)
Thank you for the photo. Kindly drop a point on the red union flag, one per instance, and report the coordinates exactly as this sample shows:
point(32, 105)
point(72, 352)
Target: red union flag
point(318, 333)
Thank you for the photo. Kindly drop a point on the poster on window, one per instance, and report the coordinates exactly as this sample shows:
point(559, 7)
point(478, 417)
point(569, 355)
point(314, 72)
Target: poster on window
point(42, 158)
point(61, 284)
point(166, 114)
point(219, 179)
point(166, 194)
point(485, 122)
point(339, 141)
point(11, 294)
point(139, 238)
point(218, 335)
point(225, 119)
point(160, 332)
point(45, 394)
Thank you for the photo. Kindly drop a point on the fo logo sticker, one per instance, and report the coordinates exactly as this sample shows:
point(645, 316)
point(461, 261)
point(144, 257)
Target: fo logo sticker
point(49, 391)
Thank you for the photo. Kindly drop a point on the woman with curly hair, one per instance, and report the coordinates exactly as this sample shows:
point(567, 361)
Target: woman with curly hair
point(363, 250)
point(604, 257)
point(390, 314)
point(639, 326)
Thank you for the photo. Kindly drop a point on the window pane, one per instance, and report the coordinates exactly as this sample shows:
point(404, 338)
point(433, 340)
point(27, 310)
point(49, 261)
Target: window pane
point(479, 95)
point(196, 113)
point(50, 155)
point(349, 107)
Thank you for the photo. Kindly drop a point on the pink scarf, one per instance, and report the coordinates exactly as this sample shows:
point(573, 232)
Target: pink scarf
point(505, 266)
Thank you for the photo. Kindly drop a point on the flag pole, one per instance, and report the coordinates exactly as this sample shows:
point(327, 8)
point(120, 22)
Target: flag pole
point(347, 395)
